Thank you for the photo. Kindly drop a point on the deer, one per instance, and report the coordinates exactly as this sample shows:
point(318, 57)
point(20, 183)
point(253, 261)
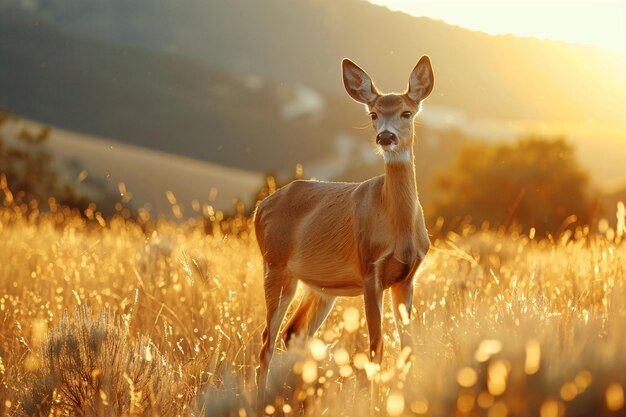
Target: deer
point(349, 239)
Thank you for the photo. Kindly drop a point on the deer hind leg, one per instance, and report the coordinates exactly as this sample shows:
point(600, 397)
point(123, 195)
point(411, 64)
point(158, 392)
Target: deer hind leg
point(280, 289)
point(299, 318)
point(318, 313)
point(310, 315)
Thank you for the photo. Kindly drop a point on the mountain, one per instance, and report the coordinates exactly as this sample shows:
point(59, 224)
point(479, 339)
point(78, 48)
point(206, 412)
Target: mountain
point(164, 102)
point(256, 85)
point(492, 77)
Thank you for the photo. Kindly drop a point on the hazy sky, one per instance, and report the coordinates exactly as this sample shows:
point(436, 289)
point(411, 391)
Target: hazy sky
point(599, 22)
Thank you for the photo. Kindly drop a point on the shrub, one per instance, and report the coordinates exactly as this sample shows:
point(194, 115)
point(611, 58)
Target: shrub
point(87, 367)
point(536, 182)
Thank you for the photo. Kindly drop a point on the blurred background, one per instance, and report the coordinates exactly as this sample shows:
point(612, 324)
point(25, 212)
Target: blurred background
point(183, 108)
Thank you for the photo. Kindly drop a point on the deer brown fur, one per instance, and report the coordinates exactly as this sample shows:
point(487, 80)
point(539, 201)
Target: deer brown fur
point(349, 239)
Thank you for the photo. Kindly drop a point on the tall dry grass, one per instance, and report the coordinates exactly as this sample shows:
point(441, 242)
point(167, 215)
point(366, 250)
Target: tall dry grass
point(119, 318)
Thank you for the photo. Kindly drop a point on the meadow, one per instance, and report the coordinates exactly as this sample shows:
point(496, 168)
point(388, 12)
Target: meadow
point(121, 317)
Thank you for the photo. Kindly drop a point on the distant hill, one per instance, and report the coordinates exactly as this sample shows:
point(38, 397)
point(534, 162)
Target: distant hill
point(165, 103)
point(501, 77)
point(256, 85)
point(147, 175)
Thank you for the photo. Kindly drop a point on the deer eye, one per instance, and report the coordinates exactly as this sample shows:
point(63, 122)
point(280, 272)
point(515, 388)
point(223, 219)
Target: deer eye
point(406, 115)
point(373, 115)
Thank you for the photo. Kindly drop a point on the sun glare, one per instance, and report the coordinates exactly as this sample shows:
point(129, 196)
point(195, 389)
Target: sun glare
point(600, 22)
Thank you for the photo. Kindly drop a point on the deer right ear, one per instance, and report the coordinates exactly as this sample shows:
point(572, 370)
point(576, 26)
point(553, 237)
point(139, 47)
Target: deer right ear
point(421, 80)
point(358, 84)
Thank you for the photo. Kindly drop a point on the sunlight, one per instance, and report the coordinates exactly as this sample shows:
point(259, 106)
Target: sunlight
point(591, 22)
point(214, 208)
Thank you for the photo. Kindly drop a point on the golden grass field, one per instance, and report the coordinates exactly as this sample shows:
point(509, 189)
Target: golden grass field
point(156, 318)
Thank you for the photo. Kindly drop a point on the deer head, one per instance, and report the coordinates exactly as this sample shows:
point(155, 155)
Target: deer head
point(392, 114)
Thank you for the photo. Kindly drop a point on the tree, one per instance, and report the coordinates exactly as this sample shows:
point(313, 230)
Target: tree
point(535, 182)
point(27, 170)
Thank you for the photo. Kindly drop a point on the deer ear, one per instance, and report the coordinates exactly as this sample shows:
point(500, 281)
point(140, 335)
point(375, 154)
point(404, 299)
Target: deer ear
point(421, 80)
point(358, 84)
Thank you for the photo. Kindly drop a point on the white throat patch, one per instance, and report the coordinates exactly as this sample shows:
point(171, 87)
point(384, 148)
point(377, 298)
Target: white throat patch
point(397, 157)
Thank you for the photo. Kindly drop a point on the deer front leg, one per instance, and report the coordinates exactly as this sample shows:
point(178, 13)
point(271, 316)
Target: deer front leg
point(373, 297)
point(402, 300)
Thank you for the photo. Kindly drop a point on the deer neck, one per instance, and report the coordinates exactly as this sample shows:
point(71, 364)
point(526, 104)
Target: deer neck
point(399, 192)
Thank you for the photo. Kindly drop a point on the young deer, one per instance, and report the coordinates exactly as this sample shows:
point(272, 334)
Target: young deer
point(348, 239)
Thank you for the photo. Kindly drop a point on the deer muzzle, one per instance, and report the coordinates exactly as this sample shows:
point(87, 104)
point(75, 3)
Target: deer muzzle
point(386, 138)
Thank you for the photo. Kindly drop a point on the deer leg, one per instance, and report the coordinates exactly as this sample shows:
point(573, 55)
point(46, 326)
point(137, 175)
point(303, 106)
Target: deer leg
point(373, 298)
point(318, 312)
point(299, 318)
point(402, 300)
point(310, 315)
point(280, 289)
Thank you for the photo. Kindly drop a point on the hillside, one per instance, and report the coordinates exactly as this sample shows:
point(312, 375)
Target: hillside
point(166, 103)
point(501, 77)
point(147, 175)
point(258, 88)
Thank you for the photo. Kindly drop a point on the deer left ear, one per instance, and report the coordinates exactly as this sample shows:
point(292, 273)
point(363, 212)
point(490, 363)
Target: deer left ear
point(358, 84)
point(421, 80)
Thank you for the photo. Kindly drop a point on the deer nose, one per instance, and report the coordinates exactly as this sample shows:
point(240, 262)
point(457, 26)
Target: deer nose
point(385, 138)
